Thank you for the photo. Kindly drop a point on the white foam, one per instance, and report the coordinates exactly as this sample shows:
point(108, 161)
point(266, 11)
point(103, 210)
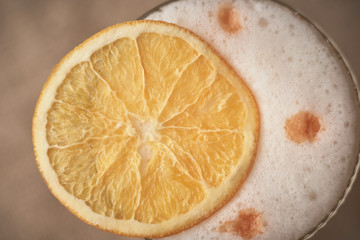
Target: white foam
point(290, 68)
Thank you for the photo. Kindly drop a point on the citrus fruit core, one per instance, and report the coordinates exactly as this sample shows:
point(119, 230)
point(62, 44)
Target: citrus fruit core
point(143, 130)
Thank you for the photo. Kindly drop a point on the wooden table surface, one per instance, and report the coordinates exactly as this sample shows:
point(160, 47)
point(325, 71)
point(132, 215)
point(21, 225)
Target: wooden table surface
point(34, 36)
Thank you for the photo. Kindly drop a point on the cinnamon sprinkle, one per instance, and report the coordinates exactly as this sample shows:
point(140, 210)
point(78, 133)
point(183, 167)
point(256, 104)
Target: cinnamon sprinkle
point(248, 224)
point(228, 18)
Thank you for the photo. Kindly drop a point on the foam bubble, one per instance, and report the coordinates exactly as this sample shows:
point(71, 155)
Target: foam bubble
point(290, 68)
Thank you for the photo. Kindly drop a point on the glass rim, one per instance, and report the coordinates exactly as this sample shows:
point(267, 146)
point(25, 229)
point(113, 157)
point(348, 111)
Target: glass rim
point(355, 81)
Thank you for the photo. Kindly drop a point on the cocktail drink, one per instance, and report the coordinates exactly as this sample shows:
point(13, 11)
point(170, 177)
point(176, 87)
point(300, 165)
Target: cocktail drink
point(146, 130)
point(309, 139)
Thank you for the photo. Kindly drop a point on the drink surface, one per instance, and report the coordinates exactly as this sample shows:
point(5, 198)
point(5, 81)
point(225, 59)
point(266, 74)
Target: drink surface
point(309, 113)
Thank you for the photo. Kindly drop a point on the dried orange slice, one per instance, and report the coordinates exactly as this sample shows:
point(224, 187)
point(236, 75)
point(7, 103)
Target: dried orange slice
point(143, 130)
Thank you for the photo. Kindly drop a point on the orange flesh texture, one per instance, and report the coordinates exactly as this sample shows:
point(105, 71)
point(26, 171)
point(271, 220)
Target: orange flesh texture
point(192, 117)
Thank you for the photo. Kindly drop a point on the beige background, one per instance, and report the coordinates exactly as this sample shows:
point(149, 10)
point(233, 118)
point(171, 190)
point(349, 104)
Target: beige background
point(34, 36)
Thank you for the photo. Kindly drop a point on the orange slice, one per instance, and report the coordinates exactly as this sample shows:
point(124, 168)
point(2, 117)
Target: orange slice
point(143, 130)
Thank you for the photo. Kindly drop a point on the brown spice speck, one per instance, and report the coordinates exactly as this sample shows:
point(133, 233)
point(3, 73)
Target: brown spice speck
point(248, 224)
point(302, 127)
point(263, 22)
point(312, 195)
point(229, 18)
